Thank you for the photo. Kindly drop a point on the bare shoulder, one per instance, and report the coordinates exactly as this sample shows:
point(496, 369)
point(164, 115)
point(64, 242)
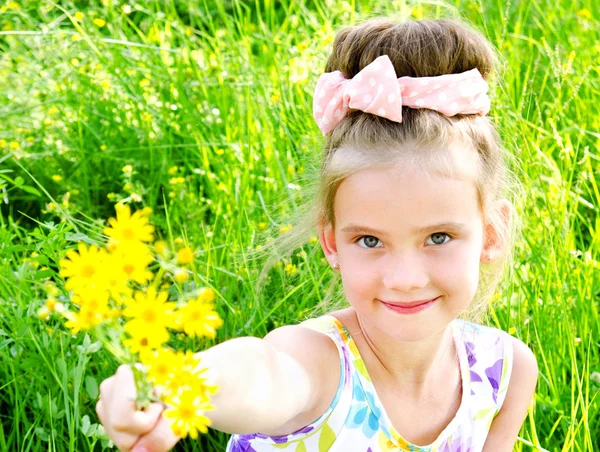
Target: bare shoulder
point(506, 425)
point(319, 356)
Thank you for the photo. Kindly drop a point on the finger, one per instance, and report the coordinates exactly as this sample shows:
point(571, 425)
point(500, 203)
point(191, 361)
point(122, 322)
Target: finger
point(123, 441)
point(160, 439)
point(100, 410)
point(145, 420)
point(106, 386)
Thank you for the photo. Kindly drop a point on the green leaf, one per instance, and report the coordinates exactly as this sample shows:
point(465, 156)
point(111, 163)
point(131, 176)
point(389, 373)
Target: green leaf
point(91, 387)
point(62, 366)
point(29, 189)
point(41, 434)
point(85, 424)
point(19, 181)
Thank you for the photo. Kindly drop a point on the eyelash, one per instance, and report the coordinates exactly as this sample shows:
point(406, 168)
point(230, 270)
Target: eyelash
point(372, 248)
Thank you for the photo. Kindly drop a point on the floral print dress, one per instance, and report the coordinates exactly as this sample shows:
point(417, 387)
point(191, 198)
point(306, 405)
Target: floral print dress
point(356, 420)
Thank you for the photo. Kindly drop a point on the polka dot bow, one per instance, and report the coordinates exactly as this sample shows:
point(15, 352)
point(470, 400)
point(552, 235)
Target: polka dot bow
point(376, 90)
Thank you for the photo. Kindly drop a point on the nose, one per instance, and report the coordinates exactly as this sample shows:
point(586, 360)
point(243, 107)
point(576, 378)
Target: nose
point(405, 272)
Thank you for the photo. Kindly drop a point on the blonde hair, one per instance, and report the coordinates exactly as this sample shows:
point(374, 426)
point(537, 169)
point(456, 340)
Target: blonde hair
point(424, 137)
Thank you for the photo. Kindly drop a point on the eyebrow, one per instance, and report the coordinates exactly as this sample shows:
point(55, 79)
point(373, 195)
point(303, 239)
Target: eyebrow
point(356, 228)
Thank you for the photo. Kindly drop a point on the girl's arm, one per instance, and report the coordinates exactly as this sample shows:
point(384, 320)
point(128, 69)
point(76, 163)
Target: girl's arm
point(506, 425)
point(265, 383)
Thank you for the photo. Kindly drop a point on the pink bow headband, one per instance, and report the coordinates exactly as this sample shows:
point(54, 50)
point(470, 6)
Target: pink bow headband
point(376, 90)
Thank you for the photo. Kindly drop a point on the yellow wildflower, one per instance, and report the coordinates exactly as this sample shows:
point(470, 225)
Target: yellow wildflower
point(99, 22)
point(285, 229)
point(82, 268)
point(56, 177)
point(186, 415)
point(149, 311)
point(185, 256)
point(290, 269)
point(43, 313)
point(92, 299)
point(133, 259)
point(144, 339)
point(53, 305)
point(173, 170)
point(206, 294)
point(313, 240)
point(161, 365)
point(129, 228)
point(85, 319)
point(198, 318)
point(160, 247)
point(181, 276)
point(79, 15)
point(14, 145)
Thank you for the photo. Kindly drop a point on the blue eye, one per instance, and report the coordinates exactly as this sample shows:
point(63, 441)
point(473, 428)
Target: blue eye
point(437, 239)
point(370, 240)
point(437, 235)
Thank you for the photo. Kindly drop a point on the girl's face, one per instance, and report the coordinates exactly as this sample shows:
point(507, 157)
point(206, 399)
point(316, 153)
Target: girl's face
point(406, 236)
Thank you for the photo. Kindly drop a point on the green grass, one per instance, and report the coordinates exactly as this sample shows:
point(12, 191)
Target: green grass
point(223, 91)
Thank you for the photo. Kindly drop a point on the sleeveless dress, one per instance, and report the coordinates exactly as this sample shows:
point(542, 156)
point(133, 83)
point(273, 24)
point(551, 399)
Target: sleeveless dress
point(356, 419)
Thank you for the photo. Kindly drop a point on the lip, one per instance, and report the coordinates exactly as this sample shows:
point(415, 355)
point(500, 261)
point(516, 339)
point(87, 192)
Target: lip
point(409, 308)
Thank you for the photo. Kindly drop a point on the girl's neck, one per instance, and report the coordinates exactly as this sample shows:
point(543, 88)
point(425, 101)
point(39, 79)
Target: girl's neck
point(406, 367)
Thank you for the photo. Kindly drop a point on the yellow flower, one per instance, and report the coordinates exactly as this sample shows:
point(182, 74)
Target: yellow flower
point(82, 268)
point(160, 247)
point(181, 276)
point(79, 15)
point(115, 276)
point(198, 318)
point(92, 299)
point(56, 177)
point(144, 339)
point(185, 256)
point(51, 289)
point(133, 259)
point(161, 365)
point(129, 228)
point(290, 269)
point(262, 225)
point(85, 319)
point(206, 294)
point(186, 414)
point(313, 240)
point(43, 313)
point(285, 229)
point(149, 311)
point(14, 145)
point(173, 170)
point(99, 22)
point(53, 305)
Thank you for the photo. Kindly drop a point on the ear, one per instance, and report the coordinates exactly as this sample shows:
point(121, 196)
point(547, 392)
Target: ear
point(493, 245)
point(327, 239)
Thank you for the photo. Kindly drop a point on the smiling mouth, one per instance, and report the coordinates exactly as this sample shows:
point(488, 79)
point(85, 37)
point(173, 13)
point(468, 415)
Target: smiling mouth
point(411, 304)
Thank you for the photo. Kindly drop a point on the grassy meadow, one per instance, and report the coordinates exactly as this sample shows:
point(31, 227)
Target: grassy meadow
point(202, 111)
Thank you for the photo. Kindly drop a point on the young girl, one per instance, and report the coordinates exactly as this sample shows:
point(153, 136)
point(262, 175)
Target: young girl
point(411, 213)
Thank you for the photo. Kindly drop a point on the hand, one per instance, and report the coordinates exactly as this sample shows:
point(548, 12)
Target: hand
point(130, 429)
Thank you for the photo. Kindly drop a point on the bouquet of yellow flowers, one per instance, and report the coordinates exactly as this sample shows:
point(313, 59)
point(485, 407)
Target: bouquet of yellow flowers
point(115, 296)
